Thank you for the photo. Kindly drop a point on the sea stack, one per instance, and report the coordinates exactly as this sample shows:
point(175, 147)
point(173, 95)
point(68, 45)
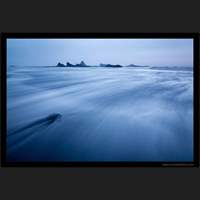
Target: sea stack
point(69, 64)
point(82, 64)
point(60, 65)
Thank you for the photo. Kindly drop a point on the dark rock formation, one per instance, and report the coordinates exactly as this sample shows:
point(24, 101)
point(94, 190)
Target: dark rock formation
point(109, 65)
point(60, 65)
point(132, 65)
point(39, 123)
point(69, 64)
point(116, 66)
point(102, 65)
point(82, 64)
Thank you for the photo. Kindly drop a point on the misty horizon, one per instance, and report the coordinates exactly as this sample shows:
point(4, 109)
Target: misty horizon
point(98, 65)
point(145, 52)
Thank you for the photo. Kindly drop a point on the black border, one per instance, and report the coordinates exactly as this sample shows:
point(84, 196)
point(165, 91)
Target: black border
point(5, 36)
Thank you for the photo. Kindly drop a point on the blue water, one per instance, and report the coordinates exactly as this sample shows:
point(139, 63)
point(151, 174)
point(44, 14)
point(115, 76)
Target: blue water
point(99, 114)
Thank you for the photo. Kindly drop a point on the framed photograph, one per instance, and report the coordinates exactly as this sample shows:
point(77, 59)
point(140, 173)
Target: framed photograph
point(100, 100)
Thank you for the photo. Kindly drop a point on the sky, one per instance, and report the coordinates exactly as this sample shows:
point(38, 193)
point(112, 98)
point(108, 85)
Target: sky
point(152, 52)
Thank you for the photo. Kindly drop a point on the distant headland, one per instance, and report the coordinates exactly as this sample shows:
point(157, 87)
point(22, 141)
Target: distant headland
point(83, 64)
